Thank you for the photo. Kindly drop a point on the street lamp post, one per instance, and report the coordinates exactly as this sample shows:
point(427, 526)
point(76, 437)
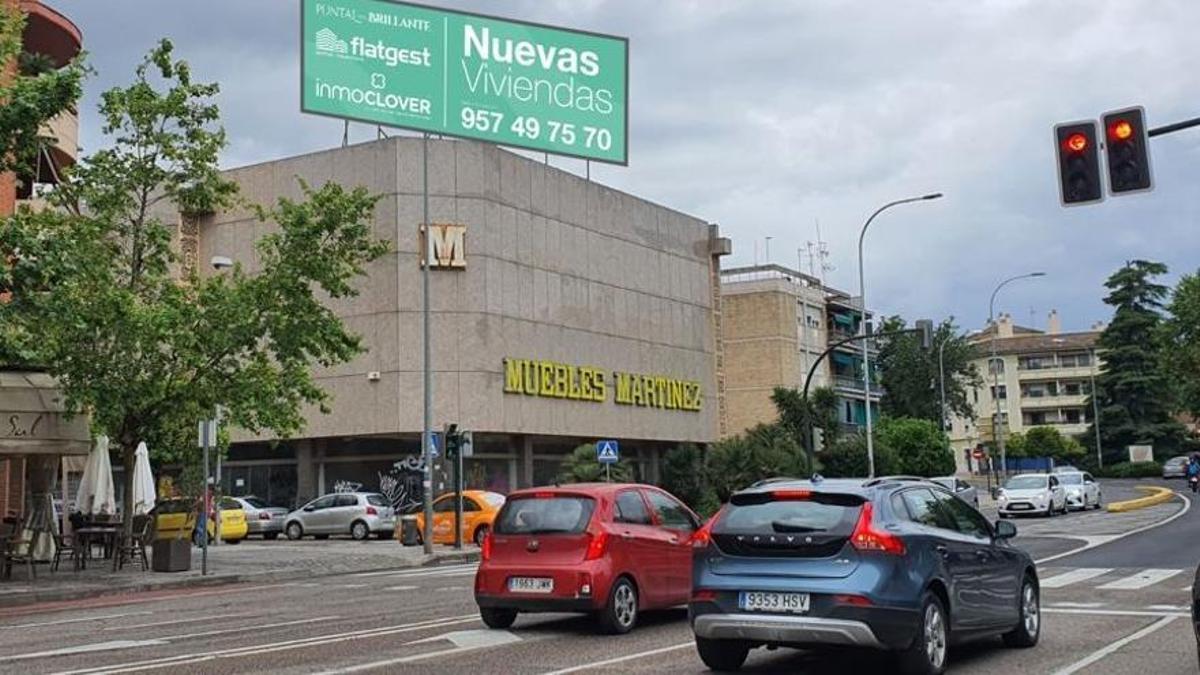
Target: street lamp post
point(942, 380)
point(997, 425)
point(1096, 407)
point(862, 297)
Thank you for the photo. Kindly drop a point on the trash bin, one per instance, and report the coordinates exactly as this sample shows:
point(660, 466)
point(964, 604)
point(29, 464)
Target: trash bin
point(408, 531)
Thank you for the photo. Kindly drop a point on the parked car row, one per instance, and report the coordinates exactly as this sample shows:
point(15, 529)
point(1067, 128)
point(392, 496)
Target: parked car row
point(897, 564)
point(1048, 494)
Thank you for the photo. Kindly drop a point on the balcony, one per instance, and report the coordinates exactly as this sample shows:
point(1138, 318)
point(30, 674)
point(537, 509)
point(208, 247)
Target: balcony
point(1059, 401)
point(854, 385)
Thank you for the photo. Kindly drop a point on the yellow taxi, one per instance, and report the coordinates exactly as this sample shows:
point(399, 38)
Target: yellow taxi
point(176, 519)
point(479, 510)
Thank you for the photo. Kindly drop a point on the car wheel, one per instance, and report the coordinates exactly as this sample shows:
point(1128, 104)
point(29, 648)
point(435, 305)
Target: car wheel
point(722, 655)
point(359, 530)
point(495, 617)
point(620, 613)
point(271, 536)
point(1029, 626)
point(927, 655)
point(233, 542)
point(295, 531)
point(481, 533)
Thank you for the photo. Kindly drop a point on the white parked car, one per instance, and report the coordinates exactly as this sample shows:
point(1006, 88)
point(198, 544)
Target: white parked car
point(1083, 492)
point(1032, 493)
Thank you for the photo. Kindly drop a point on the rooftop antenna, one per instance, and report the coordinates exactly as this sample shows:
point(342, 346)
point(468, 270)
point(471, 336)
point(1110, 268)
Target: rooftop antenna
point(818, 256)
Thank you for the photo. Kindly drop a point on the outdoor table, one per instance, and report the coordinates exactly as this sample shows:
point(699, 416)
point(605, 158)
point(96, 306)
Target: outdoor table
point(105, 535)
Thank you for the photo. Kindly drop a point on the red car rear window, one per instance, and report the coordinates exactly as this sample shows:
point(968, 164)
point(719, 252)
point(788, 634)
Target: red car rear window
point(566, 514)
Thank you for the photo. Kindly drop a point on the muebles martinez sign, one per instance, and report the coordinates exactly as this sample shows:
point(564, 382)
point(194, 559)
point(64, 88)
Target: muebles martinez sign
point(551, 379)
point(469, 75)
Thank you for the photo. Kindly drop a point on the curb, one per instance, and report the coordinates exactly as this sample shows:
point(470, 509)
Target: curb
point(1159, 495)
point(36, 597)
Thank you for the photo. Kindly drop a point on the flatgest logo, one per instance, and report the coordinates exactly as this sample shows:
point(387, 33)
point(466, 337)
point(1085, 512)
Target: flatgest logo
point(329, 42)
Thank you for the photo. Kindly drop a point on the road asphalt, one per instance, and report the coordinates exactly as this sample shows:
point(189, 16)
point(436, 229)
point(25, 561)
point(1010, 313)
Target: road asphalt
point(1118, 607)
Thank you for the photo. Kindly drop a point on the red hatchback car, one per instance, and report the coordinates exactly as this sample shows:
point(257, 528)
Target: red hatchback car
point(606, 548)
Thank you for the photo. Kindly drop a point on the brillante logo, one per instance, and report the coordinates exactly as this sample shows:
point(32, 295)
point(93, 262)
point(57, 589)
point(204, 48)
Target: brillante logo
point(329, 43)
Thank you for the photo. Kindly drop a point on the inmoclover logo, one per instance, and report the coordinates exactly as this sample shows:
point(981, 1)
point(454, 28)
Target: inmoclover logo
point(330, 43)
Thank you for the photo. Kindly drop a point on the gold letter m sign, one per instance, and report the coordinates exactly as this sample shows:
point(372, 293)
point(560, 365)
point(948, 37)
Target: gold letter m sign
point(445, 245)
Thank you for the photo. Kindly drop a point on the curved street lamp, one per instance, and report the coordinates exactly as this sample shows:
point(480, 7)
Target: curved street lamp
point(998, 425)
point(862, 296)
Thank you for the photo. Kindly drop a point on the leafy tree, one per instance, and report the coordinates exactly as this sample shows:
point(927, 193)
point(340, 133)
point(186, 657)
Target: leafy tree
point(920, 448)
point(30, 97)
point(1015, 446)
point(147, 352)
point(909, 373)
point(1049, 442)
point(847, 458)
point(581, 467)
point(1183, 341)
point(685, 475)
point(764, 451)
point(1135, 394)
point(794, 413)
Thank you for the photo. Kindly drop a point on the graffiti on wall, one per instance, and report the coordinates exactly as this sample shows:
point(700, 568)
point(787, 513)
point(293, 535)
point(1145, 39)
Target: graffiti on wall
point(346, 486)
point(402, 484)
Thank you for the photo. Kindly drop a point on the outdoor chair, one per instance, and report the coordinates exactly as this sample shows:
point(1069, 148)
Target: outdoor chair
point(65, 545)
point(10, 553)
point(133, 547)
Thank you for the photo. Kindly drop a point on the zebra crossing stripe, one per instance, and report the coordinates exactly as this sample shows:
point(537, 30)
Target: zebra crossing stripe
point(1074, 577)
point(1140, 580)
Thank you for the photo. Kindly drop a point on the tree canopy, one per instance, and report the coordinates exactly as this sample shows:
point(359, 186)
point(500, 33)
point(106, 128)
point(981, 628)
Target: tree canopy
point(1183, 342)
point(910, 376)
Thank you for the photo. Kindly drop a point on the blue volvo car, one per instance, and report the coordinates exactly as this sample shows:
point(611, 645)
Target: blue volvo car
point(897, 564)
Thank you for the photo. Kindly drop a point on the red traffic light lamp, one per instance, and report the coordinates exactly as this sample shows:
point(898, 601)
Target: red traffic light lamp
point(1127, 151)
point(1079, 180)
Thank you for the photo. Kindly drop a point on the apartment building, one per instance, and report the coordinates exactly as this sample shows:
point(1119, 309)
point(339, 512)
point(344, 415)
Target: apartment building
point(1040, 378)
point(776, 323)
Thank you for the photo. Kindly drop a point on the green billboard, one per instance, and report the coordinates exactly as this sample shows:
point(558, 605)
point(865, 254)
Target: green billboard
point(469, 75)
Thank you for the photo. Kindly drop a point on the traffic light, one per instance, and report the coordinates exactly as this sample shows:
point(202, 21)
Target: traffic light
point(1127, 150)
point(1078, 163)
point(453, 441)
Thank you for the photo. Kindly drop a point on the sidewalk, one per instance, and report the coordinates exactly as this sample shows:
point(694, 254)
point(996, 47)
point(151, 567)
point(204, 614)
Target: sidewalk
point(249, 561)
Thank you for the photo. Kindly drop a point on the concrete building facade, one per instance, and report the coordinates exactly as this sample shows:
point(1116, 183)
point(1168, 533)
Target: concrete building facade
point(566, 312)
point(1044, 379)
point(776, 324)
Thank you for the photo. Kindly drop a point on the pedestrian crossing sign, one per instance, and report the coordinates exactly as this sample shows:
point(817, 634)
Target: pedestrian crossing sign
point(607, 452)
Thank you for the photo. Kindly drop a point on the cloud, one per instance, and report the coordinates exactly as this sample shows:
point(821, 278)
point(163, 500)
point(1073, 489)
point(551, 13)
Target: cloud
point(765, 117)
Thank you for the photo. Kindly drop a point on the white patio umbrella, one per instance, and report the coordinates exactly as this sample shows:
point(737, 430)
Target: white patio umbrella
point(96, 494)
point(143, 482)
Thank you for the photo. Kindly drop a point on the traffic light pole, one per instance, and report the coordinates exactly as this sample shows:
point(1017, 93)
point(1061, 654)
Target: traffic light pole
point(1178, 126)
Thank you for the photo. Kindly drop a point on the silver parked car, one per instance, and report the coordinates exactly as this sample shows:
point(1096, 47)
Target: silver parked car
point(359, 514)
point(961, 489)
point(1176, 467)
point(1083, 492)
point(261, 517)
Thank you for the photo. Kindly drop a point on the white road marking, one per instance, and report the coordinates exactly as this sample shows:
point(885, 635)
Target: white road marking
point(1102, 653)
point(242, 629)
point(1074, 577)
point(445, 589)
point(160, 624)
point(85, 649)
point(416, 570)
point(269, 647)
point(622, 659)
point(401, 588)
point(1112, 612)
point(1077, 605)
point(1140, 580)
point(79, 620)
point(1169, 608)
point(1187, 504)
point(464, 641)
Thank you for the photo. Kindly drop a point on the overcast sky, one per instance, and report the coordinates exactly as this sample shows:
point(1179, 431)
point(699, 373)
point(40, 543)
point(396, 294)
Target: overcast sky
point(767, 117)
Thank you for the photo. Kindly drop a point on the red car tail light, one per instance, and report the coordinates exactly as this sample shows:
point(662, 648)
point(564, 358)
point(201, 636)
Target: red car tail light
point(702, 537)
point(791, 495)
point(852, 600)
point(867, 537)
point(485, 549)
point(543, 495)
point(372, 511)
point(704, 595)
point(597, 544)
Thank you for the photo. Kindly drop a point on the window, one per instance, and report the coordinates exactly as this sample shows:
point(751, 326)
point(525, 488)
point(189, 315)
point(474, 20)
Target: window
point(227, 504)
point(923, 508)
point(631, 509)
point(1072, 416)
point(1087, 478)
point(470, 505)
point(444, 505)
point(996, 366)
point(256, 502)
point(1075, 360)
point(1000, 392)
point(346, 500)
point(1053, 482)
point(552, 515)
point(378, 500)
point(322, 503)
point(966, 519)
point(1073, 388)
point(671, 514)
point(1030, 482)
point(975, 392)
